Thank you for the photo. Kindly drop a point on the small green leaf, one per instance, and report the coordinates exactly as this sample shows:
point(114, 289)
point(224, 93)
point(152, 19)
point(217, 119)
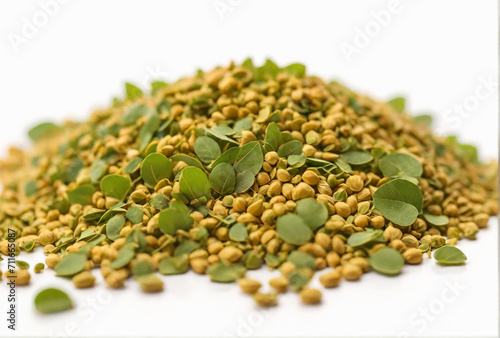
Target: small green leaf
point(293, 147)
point(222, 273)
point(134, 215)
point(398, 103)
point(292, 229)
point(206, 149)
point(114, 226)
point(312, 212)
point(81, 195)
point(302, 260)
point(399, 200)
point(125, 255)
point(132, 92)
point(363, 237)
point(244, 181)
point(449, 255)
point(175, 217)
point(223, 179)
point(43, 130)
point(273, 139)
point(160, 201)
point(52, 301)
point(142, 268)
point(387, 261)
point(296, 69)
point(186, 247)
point(155, 168)
point(296, 161)
point(400, 165)
point(174, 265)
point(147, 131)
point(157, 85)
point(134, 112)
point(193, 183)
point(71, 264)
point(39, 267)
point(22, 264)
point(437, 220)
point(190, 161)
point(249, 157)
point(115, 186)
point(238, 232)
point(97, 171)
point(356, 157)
point(30, 188)
point(424, 119)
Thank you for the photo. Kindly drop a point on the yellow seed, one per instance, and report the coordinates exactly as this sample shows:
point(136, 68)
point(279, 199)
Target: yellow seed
point(287, 267)
point(52, 260)
point(283, 175)
point(230, 254)
point(310, 296)
point(391, 233)
point(332, 259)
point(338, 245)
point(266, 299)
point(302, 190)
point(310, 177)
point(351, 271)
point(280, 284)
point(362, 262)
point(249, 285)
point(355, 183)
point(412, 256)
point(150, 283)
point(377, 222)
point(330, 279)
point(343, 209)
point(83, 280)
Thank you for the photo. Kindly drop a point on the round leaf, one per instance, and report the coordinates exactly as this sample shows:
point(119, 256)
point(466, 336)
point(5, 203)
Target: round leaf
point(244, 181)
point(71, 265)
point(356, 157)
point(125, 255)
point(293, 230)
point(174, 218)
point(52, 300)
point(238, 232)
point(312, 212)
point(387, 261)
point(449, 255)
point(399, 200)
point(115, 186)
point(114, 226)
point(363, 237)
point(206, 149)
point(293, 147)
point(400, 165)
point(81, 195)
point(437, 220)
point(223, 179)
point(249, 158)
point(154, 168)
point(193, 183)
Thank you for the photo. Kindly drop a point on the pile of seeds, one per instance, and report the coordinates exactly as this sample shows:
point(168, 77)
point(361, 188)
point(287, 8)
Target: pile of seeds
point(237, 168)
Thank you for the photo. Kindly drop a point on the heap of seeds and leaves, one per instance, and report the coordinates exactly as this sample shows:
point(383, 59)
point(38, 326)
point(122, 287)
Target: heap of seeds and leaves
point(237, 168)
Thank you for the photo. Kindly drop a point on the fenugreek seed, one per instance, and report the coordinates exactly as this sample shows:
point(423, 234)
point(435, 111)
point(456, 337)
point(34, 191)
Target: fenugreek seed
point(338, 245)
point(351, 271)
point(391, 233)
point(283, 175)
point(230, 254)
point(287, 267)
point(250, 286)
point(412, 256)
point(83, 280)
point(377, 222)
point(310, 296)
point(150, 283)
point(343, 209)
point(362, 262)
point(310, 177)
point(199, 265)
point(280, 284)
point(355, 183)
point(302, 190)
point(266, 299)
point(330, 279)
point(323, 240)
point(52, 260)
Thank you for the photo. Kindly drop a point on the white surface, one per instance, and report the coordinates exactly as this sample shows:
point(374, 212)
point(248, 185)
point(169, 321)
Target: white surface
point(438, 54)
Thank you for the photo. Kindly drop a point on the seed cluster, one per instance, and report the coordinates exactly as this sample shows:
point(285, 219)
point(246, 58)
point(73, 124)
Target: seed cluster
point(239, 167)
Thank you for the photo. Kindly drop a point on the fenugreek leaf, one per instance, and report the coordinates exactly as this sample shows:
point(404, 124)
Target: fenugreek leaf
point(312, 212)
point(125, 255)
point(114, 226)
point(438, 220)
point(400, 165)
point(398, 103)
point(449, 255)
point(81, 195)
point(273, 139)
point(223, 178)
point(52, 301)
point(249, 157)
point(154, 168)
point(293, 147)
point(193, 183)
point(190, 161)
point(356, 157)
point(133, 165)
point(22, 264)
point(71, 265)
point(43, 130)
point(159, 201)
point(387, 261)
point(302, 260)
point(238, 232)
point(363, 237)
point(132, 92)
point(30, 188)
point(134, 215)
point(97, 171)
point(174, 265)
point(292, 229)
point(223, 273)
point(175, 217)
point(147, 131)
point(206, 149)
point(115, 186)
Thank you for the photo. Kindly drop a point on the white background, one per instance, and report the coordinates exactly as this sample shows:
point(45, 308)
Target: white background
point(438, 54)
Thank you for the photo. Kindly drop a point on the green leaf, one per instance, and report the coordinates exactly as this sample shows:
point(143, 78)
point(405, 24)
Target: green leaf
point(244, 181)
point(157, 85)
point(134, 215)
point(186, 247)
point(134, 112)
point(52, 301)
point(229, 156)
point(292, 229)
point(81, 195)
point(223, 179)
point(449, 255)
point(249, 157)
point(293, 147)
point(125, 255)
point(71, 264)
point(220, 136)
point(363, 237)
point(115, 186)
point(142, 268)
point(155, 168)
point(114, 226)
point(356, 157)
point(387, 261)
point(190, 161)
point(437, 220)
point(302, 260)
point(296, 69)
point(273, 139)
point(72, 171)
point(468, 152)
point(22, 264)
point(238, 232)
point(424, 119)
point(312, 212)
point(174, 218)
point(43, 130)
point(299, 278)
point(398, 103)
point(296, 161)
point(160, 201)
point(97, 171)
point(243, 124)
point(132, 92)
point(174, 265)
point(206, 149)
point(193, 183)
point(222, 273)
point(39, 267)
point(399, 200)
point(30, 188)
point(148, 130)
point(400, 165)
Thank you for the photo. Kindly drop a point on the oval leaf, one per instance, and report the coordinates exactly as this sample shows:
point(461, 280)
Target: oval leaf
point(115, 186)
point(238, 232)
point(174, 218)
point(206, 149)
point(52, 300)
point(223, 179)
point(81, 195)
point(193, 183)
point(249, 158)
point(71, 265)
point(387, 261)
point(437, 220)
point(363, 237)
point(400, 165)
point(292, 229)
point(244, 181)
point(155, 168)
point(356, 157)
point(312, 212)
point(449, 255)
